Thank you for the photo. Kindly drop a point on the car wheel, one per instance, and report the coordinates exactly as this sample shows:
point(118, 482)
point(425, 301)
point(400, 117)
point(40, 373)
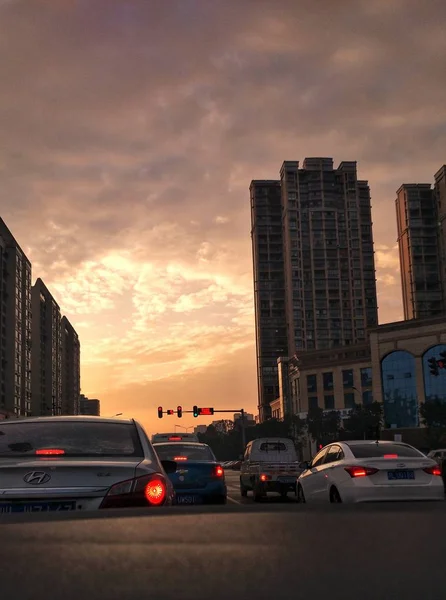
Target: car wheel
point(335, 497)
point(300, 495)
point(258, 494)
point(243, 490)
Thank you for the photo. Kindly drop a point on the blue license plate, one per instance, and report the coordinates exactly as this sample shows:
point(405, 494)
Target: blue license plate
point(188, 499)
point(287, 479)
point(396, 475)
point(25, 507)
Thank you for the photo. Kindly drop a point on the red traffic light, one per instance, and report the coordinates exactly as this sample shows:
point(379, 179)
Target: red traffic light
point(160, 412)
point(169, 411)
point(179, 411)
point(206, 411)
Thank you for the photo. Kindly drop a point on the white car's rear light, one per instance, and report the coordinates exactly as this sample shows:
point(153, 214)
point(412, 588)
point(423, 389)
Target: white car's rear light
point(360, 471)
point(148, 490)
point(434, 470)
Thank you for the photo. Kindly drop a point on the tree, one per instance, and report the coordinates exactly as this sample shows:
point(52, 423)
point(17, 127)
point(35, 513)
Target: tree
point(224, 426)
point(433, 417)
point(364, 422)
point(322, 426)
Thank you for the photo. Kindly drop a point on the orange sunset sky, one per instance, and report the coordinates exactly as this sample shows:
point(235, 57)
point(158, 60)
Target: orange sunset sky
point(130, 131)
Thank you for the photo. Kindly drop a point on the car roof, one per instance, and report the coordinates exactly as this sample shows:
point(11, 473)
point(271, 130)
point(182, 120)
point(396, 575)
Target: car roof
point(67, 419)
point(369, 442)
point(182, 443)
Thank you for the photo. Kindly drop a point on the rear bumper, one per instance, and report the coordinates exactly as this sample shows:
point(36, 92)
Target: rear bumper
point(210, 493)
point(399, 493)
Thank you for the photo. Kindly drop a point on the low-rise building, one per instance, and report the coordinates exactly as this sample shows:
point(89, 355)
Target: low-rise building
point(89, 406)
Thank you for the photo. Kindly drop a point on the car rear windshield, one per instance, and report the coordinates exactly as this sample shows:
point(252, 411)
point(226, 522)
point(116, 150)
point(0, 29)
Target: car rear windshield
point(382, 450)
point(178, 451)
point(273, 447)
point(73, 438)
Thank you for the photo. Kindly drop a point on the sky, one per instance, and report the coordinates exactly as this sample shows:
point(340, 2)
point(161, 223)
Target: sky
point(130, 131)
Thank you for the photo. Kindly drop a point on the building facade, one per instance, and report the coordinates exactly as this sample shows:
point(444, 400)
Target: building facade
point(15, 327)
point(71, 374)
point(440, 194)
point(419, 251)
point(89, 406)
point(328, 253)
point(46, 361)
point(401, 375)
point(269, 288)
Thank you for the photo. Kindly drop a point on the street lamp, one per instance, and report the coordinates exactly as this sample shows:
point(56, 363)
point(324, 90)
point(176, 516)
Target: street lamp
point(182, 427)
point(116, 415)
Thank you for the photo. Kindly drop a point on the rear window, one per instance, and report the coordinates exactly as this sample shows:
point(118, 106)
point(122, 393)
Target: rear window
point(178, 451)
point(74, 438)
point(381, 450)
point(273, 447)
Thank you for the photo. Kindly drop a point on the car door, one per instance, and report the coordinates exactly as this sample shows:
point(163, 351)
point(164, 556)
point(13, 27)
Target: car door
point(327, 472)
point(311, 477)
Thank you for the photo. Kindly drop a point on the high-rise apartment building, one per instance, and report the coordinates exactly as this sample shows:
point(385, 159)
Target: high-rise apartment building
point(15, 327)
point(328, 253)
point(71, 375)
point(90, 406)
point(420, 251)
point(269, 288)
point(314, 269)
point(46, 352)
point(440, 194)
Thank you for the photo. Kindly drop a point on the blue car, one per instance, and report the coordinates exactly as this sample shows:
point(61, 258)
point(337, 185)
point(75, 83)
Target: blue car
point(199, 478)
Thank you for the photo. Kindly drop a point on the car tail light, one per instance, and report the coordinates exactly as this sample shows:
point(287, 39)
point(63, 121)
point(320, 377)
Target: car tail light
point(264, 477)
point(360, 471)
point(435, 470)
point(179, 458)
point(148, 490)
point(50, 452)
point(175, 438)
point(218, 471)
point(394, 456)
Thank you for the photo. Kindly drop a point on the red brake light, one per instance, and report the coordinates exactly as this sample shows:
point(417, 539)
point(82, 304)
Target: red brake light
point(175, 438)
point(219, 472)
point(264, 477)
point(435, 470)
point(148, 490)
point(177, 458)
point(49, 452)
point(390, 455)
point(360, 471)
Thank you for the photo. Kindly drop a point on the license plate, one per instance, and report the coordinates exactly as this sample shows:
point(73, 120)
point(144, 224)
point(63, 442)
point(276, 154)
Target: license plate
point(188, 500)
point(287, 479)
point(396, 475)
point(25, 507)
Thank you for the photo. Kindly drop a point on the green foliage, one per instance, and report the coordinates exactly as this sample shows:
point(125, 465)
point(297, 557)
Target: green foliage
point(364, 422)
point(433, 417)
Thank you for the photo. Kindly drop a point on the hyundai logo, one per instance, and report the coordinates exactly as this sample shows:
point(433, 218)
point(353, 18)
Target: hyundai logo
point(36, 477)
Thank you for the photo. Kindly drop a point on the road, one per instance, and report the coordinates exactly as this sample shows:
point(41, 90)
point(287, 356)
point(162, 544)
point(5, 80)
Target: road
point(233, 485)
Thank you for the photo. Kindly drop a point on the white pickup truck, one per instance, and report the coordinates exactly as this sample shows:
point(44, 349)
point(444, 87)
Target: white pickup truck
point(269, 465)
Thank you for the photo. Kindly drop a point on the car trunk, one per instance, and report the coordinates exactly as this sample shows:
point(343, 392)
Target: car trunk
point(192, 475)
point(398, 471)
point(27, 478)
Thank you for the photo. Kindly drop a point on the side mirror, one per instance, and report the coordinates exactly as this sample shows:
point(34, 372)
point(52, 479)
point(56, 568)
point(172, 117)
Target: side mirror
point(170, 466)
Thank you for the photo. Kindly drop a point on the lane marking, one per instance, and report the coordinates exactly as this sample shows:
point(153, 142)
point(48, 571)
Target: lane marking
point(234, 501)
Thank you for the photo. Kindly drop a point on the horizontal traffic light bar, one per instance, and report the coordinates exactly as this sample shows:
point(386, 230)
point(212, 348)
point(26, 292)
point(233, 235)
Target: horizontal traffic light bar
point(197, 411)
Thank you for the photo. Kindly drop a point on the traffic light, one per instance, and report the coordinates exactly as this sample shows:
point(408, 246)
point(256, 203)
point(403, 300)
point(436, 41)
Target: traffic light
point(179, 411)
point(433, 366)
point(195, 411)
point(205, 411)
point(169, 411)
point(442, 362)
point(160, 412)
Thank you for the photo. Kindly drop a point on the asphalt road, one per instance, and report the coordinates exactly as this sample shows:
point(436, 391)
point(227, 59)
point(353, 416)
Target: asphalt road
point(233, 485)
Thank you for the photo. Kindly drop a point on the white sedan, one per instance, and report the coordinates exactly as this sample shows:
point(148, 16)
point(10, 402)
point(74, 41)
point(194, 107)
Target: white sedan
point(370, 471)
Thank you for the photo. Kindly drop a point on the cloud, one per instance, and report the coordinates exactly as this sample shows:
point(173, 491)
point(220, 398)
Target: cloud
point(131, 131)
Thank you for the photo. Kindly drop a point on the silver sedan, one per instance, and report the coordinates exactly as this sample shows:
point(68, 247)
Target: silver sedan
point(79, 463)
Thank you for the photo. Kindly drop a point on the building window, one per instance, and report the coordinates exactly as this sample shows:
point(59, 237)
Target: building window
point(366, 377)
point(399, 390)
point(312, 402)
point(367, 397)
point(328, 381)
point(347, 378)
point(434, 386)
point(329, 402)
point(312, 384)
point(349, 400)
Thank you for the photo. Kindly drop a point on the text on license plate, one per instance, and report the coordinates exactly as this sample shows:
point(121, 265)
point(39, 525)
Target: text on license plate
point(393, 475)
point(188, 499)
point(25, 507)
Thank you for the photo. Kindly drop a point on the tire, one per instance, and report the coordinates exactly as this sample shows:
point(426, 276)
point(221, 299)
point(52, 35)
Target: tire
point(243, 490)
point(300, 495)
point(258, 493)
point(283, 493)
point(335, 497)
